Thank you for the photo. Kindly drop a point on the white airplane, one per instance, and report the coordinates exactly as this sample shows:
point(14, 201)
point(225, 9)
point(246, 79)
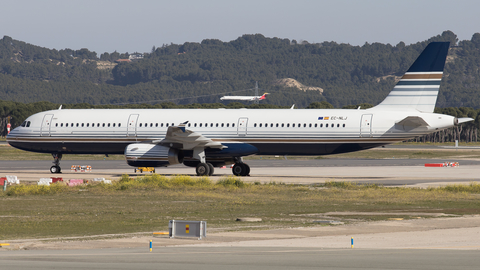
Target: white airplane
point(247, 98)
point(255, 98)
point(215, 137)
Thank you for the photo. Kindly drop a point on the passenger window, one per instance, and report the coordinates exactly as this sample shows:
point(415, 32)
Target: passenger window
point(172, 124)
point(260, 125)
point(321, 125)
point(222, 124)
point(103, 125)
point(326, 125)
point(255, 125)
point(216, 125)
point(61, 124)
point(195, 125)
point(283, 124)
point(83, 124)
point(88, 124)
point(166, 124)
point(315, 125)
point(188, 125)
point(98, 124)
point(108, 125)
point(77, 124)
point(113, 124)
point(151, 124)
point(338, 125)
point(161, 124)
point(333, 125)
point(271, 125)
point(56, 124)
point(343, 125)
point(233, 125)
point(293, 125)
point(288, 125)
point(156, 124)
point(211, 124)
point(119, 124)
point(310, 125)
point(305, 125)
point(228, 124)
point(66, 125)
point(140, 125)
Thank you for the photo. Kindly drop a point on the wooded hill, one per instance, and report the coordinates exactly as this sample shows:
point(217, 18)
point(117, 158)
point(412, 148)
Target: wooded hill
point(195, 72)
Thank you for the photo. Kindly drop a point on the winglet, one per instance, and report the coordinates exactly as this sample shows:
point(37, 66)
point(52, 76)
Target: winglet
point(182, 126)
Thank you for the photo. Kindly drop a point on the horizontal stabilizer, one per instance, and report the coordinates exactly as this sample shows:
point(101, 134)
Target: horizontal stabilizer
point(413, 121)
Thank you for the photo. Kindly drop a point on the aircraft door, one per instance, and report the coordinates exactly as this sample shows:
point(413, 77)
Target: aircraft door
point(242, 126)
point(366, 125)
point(46, 124)
point(132, 125)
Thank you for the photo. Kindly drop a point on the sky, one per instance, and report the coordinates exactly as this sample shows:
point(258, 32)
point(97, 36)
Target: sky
point(137, 26)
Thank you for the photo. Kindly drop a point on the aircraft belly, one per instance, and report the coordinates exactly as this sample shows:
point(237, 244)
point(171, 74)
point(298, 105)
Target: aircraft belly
point(112, 148)
point(312, 148)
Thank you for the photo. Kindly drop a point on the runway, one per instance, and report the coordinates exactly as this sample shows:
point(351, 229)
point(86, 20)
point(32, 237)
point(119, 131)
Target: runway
point(239, 258)
point(388, 172)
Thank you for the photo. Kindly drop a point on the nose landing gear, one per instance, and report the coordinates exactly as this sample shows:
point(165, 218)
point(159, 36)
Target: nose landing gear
point(56, 161)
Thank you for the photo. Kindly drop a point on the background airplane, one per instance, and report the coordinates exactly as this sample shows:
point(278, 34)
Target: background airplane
point(255, 98)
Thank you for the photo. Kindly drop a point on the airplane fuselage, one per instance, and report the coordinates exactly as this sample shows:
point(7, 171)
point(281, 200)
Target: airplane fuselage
point(271, 131)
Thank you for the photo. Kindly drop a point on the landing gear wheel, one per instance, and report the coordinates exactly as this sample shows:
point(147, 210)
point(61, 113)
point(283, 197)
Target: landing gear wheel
point(212, 169)
point(202, 169)
point(56, 161)
point(55, 169)
point(241, 169)
point(247, 172)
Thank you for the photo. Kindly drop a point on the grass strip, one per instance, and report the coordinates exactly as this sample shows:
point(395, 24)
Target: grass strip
point(146, 204)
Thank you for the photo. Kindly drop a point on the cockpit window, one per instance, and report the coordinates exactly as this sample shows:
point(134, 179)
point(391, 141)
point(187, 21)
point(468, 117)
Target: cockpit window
point(24, 123)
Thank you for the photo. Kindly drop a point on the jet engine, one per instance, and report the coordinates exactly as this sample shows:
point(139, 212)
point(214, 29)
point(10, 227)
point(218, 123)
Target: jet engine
point(152, 155)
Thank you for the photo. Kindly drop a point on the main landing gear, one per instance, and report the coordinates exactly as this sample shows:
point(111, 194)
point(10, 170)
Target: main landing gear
point(204, 169)
point(241, 169)
point(56, 161)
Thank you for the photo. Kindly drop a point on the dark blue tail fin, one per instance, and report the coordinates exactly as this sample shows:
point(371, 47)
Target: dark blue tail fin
point(418, 88)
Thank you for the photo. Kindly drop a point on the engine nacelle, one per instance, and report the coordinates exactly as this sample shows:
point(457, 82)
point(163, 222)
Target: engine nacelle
point(152, 155)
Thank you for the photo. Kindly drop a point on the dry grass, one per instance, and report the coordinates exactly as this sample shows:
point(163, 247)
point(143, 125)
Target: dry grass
point(147, 203)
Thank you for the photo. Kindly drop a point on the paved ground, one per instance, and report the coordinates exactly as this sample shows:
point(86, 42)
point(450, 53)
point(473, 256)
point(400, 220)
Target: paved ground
point(441, 243)
point(394, 172)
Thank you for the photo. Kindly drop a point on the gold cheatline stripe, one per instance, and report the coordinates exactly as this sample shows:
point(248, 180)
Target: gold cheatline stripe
point(422, 76)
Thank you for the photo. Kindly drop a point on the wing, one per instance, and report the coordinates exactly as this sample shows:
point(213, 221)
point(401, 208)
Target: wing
point(181, 138)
